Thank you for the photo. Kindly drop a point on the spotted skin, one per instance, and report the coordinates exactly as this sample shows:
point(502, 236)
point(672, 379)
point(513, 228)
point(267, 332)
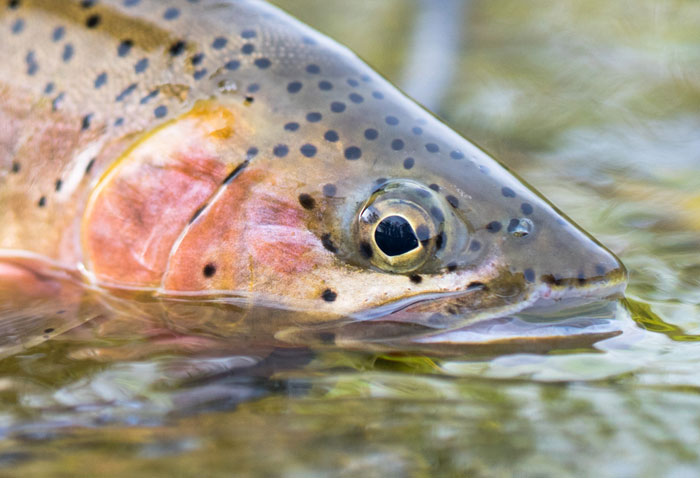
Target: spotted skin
point(198, 146)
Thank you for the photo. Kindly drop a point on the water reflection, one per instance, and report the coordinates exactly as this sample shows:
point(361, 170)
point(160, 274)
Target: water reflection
point(594, 103)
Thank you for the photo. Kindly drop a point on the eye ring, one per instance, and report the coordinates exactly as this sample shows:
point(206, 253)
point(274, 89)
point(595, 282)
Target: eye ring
point(400, 227)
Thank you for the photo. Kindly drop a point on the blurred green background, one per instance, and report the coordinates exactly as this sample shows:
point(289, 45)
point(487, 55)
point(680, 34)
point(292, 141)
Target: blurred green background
point(595, 103)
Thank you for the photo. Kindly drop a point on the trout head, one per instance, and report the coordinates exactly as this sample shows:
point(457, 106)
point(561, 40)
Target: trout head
point(367, 224)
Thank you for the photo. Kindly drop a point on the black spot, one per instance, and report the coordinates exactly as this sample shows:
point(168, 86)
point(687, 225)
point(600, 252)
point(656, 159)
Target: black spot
point(119, 121)
point(124, 47)
point(126, 92)
point(452, 266)
point(325, 85)
point(219, 43)
point(381, 180)
point(248, 49)
point(85, 123)
point(131, 3)
point(417, 130)
point(581, 278)
point(394, 235)
point(308, 150)
point(529, 275)
point(48, 89)
point(423, 233)
point(251, 153)
point(328, 243)
point(88, 3)
point(13, 4)
point(197, 59)
point(457, 155)
point(329, 190)
point(100, 80)
point(42, 201)
point(408, 163)
point(329, 296)
point(141, 65)
point(526, 208)
point(93, 21)
point(415, 278)
point(371, 134)
point(337, 107)
point(397, 145)
point(68, 51)
point(248, 34)
point(248, 100)
point(353, 82)
point(437, 214)
point(366, 250)
point(494, 226)
point(331, 136)
point(474, 246)
point(18, 26)
point(262, 63)
point(483, 169)
point(600, 269)
point(306, 201)
point(16, 167)
point(49, 330)
point(253, 88)
point(508, 192)
point(177, 48)
point(291, 126)
point(58, 34)
point(391, 120)
point(353, 152)
point(280, 150)
point(313, 69)
point(454, 202)
point(160, 111)
point(355, 98)
point(314, 117)
point(432, 148)
point(32, 65)
point(232, 65)
point(435, 187)
point(294, 87)
point(149, 96)
point(209, 270)
point(171, 13)
point(59, 183)
point(377, 95)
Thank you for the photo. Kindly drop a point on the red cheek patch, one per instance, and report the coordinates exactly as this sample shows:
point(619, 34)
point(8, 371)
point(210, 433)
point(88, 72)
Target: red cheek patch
point(253, 237)
point(143, 204)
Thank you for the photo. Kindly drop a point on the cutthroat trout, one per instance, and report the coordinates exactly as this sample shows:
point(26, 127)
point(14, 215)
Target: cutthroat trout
point(220, 149)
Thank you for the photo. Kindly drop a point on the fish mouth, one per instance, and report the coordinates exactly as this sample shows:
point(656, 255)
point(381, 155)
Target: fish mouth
point(545, 301)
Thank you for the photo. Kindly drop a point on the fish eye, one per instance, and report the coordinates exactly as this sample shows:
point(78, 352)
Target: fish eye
point(401, 227)
point(395, 236)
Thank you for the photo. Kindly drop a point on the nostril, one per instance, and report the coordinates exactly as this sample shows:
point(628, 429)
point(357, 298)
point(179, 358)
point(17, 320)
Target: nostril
point(520, 227)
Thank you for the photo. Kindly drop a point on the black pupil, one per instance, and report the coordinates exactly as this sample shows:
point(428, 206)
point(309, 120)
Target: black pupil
point(395, 236)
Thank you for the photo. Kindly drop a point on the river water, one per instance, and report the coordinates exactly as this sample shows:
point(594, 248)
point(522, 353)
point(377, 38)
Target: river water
point(597, 105)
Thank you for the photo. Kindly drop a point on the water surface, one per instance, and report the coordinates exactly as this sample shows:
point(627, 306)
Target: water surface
point(594, 103)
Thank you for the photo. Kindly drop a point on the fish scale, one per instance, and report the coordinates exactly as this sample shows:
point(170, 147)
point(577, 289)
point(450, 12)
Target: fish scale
point(207, 146)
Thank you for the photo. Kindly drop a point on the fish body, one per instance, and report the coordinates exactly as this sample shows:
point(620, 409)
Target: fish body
point(199, 148)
